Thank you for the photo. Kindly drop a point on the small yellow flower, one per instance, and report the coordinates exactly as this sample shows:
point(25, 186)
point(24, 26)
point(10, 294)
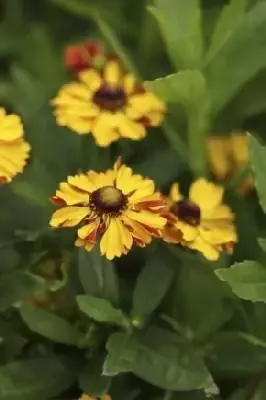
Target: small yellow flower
point(14, 151)
point(109, 104)
point(227, 155)
point(118, 206)
point(201, 222)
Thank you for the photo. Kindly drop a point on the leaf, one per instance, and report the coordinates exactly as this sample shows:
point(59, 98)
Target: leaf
point(247, 280)
point(12, 342)
point(92, 380)
point(97, 275)
point(49, 325)
point(236, 355)
point(160, 358)
point(199, 317)
point(100, 309)
point(224, 76)
point(228, 21)
point(16, 287)
point(180, 26)
point(257, 154)
point(262, 243)
point(37, 378)
point(152, 285)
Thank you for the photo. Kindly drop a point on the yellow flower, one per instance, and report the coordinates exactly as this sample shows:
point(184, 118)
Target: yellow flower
point(227, 155)
point(14, 151)
point(205, 222)
point(88, 397)
point(119, 207)
point(109, 104)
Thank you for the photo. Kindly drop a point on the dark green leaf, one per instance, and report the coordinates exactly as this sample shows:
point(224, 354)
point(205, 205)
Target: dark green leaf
point(49, 325)
point(12, 342)
point(247, 279)
point(37, 378)
point(180, 26)
point(97, 275)
point(236, 354)
point(160, 358)
point(152, 285)
point(257, 155)
point(262, 243)
point(92, 381)
point(100, 309)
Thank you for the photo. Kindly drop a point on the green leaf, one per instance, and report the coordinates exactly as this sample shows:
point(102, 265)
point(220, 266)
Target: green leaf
point(247, 280)
point(180, 26)
point(262, 243)
point(257, 154)
point(100, 309)
point(12, 342)
point(37, 378)
point(228, 21)
point(195, 313)
point(92, 380)
point(49, 325)
point(151, 286)
point(225, 78)
point(16, 287)
point(158, 357)
point(97, 275)
point(236, 355)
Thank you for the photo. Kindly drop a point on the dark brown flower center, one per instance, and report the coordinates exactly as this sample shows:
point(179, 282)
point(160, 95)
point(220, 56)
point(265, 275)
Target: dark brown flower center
point(108, 199)
point(110, 99)
point(187, 211)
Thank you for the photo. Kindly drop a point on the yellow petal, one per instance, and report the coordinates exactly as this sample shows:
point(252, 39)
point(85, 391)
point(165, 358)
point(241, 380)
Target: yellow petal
point(133, 184)
point(83, 182)
point(70, 195)
point(141, 104)
point(137, 230)
point(83, 243)
point(115, 239)
point(130, 129)
point(13, 157)
point(189, 232)
point(112, 74)
point(219, 156)
point(91, 78)
point(240, 148)
point(104, 129)
point(147, 218)
point(210, 252)
point(175, 194)
point(89, 230)
point(68, 216)
point(218, 236)
point(10, 128)
point(205, 194)
point(221, 212)
point(129, 83)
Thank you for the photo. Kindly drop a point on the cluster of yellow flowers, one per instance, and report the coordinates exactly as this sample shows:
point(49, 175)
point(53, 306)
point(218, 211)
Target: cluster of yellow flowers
point(117, 207)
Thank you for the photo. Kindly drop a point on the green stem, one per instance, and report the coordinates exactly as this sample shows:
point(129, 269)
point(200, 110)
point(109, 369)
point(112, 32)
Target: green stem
point(197, 130)
point(175, 141)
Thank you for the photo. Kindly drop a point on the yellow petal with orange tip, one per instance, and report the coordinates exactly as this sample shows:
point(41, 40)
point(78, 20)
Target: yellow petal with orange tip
point(88, 246)
point(115, 239)
point(68, 216)
point(112, 74)
point(70, 195)
point(205, 194)
point(89, 230)
point(146, 218)
point(91, 78)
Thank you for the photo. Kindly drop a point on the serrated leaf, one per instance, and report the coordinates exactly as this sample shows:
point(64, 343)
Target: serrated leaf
point(257, 154)
point(247, 280)
point(49, 325)
point(224, 76)
point(228, 21)
point(151, 287)
point(98, 275)
point(100, 309)
point(180, 26)
point(160, 358)
point(37, 378)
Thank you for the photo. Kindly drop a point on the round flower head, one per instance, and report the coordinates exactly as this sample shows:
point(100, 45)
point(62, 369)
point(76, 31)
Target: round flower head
point(118, 207)
point(83, 55)
point(109, 104)
point(227, 155)
point(201, 222)
point(14, 151)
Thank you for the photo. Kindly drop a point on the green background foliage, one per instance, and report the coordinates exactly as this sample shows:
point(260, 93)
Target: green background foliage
point(161, 323)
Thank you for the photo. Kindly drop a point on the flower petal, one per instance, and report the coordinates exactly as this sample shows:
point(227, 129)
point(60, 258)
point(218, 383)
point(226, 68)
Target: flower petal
point(112, 74)
point(70, 195)
point(91, 78)
point(115, 240)
point(13, 157)
point(104, 129)
point(146, 218)
point(175, 194)
point(68, 216)
point(205, 194)
point(129, 129)
point(189, 232)
point(209, 251)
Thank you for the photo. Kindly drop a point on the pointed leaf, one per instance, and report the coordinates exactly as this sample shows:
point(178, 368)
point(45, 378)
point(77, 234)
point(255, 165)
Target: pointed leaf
point(257, 154)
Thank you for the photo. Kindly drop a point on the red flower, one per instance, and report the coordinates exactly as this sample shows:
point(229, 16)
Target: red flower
point(84, 55)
